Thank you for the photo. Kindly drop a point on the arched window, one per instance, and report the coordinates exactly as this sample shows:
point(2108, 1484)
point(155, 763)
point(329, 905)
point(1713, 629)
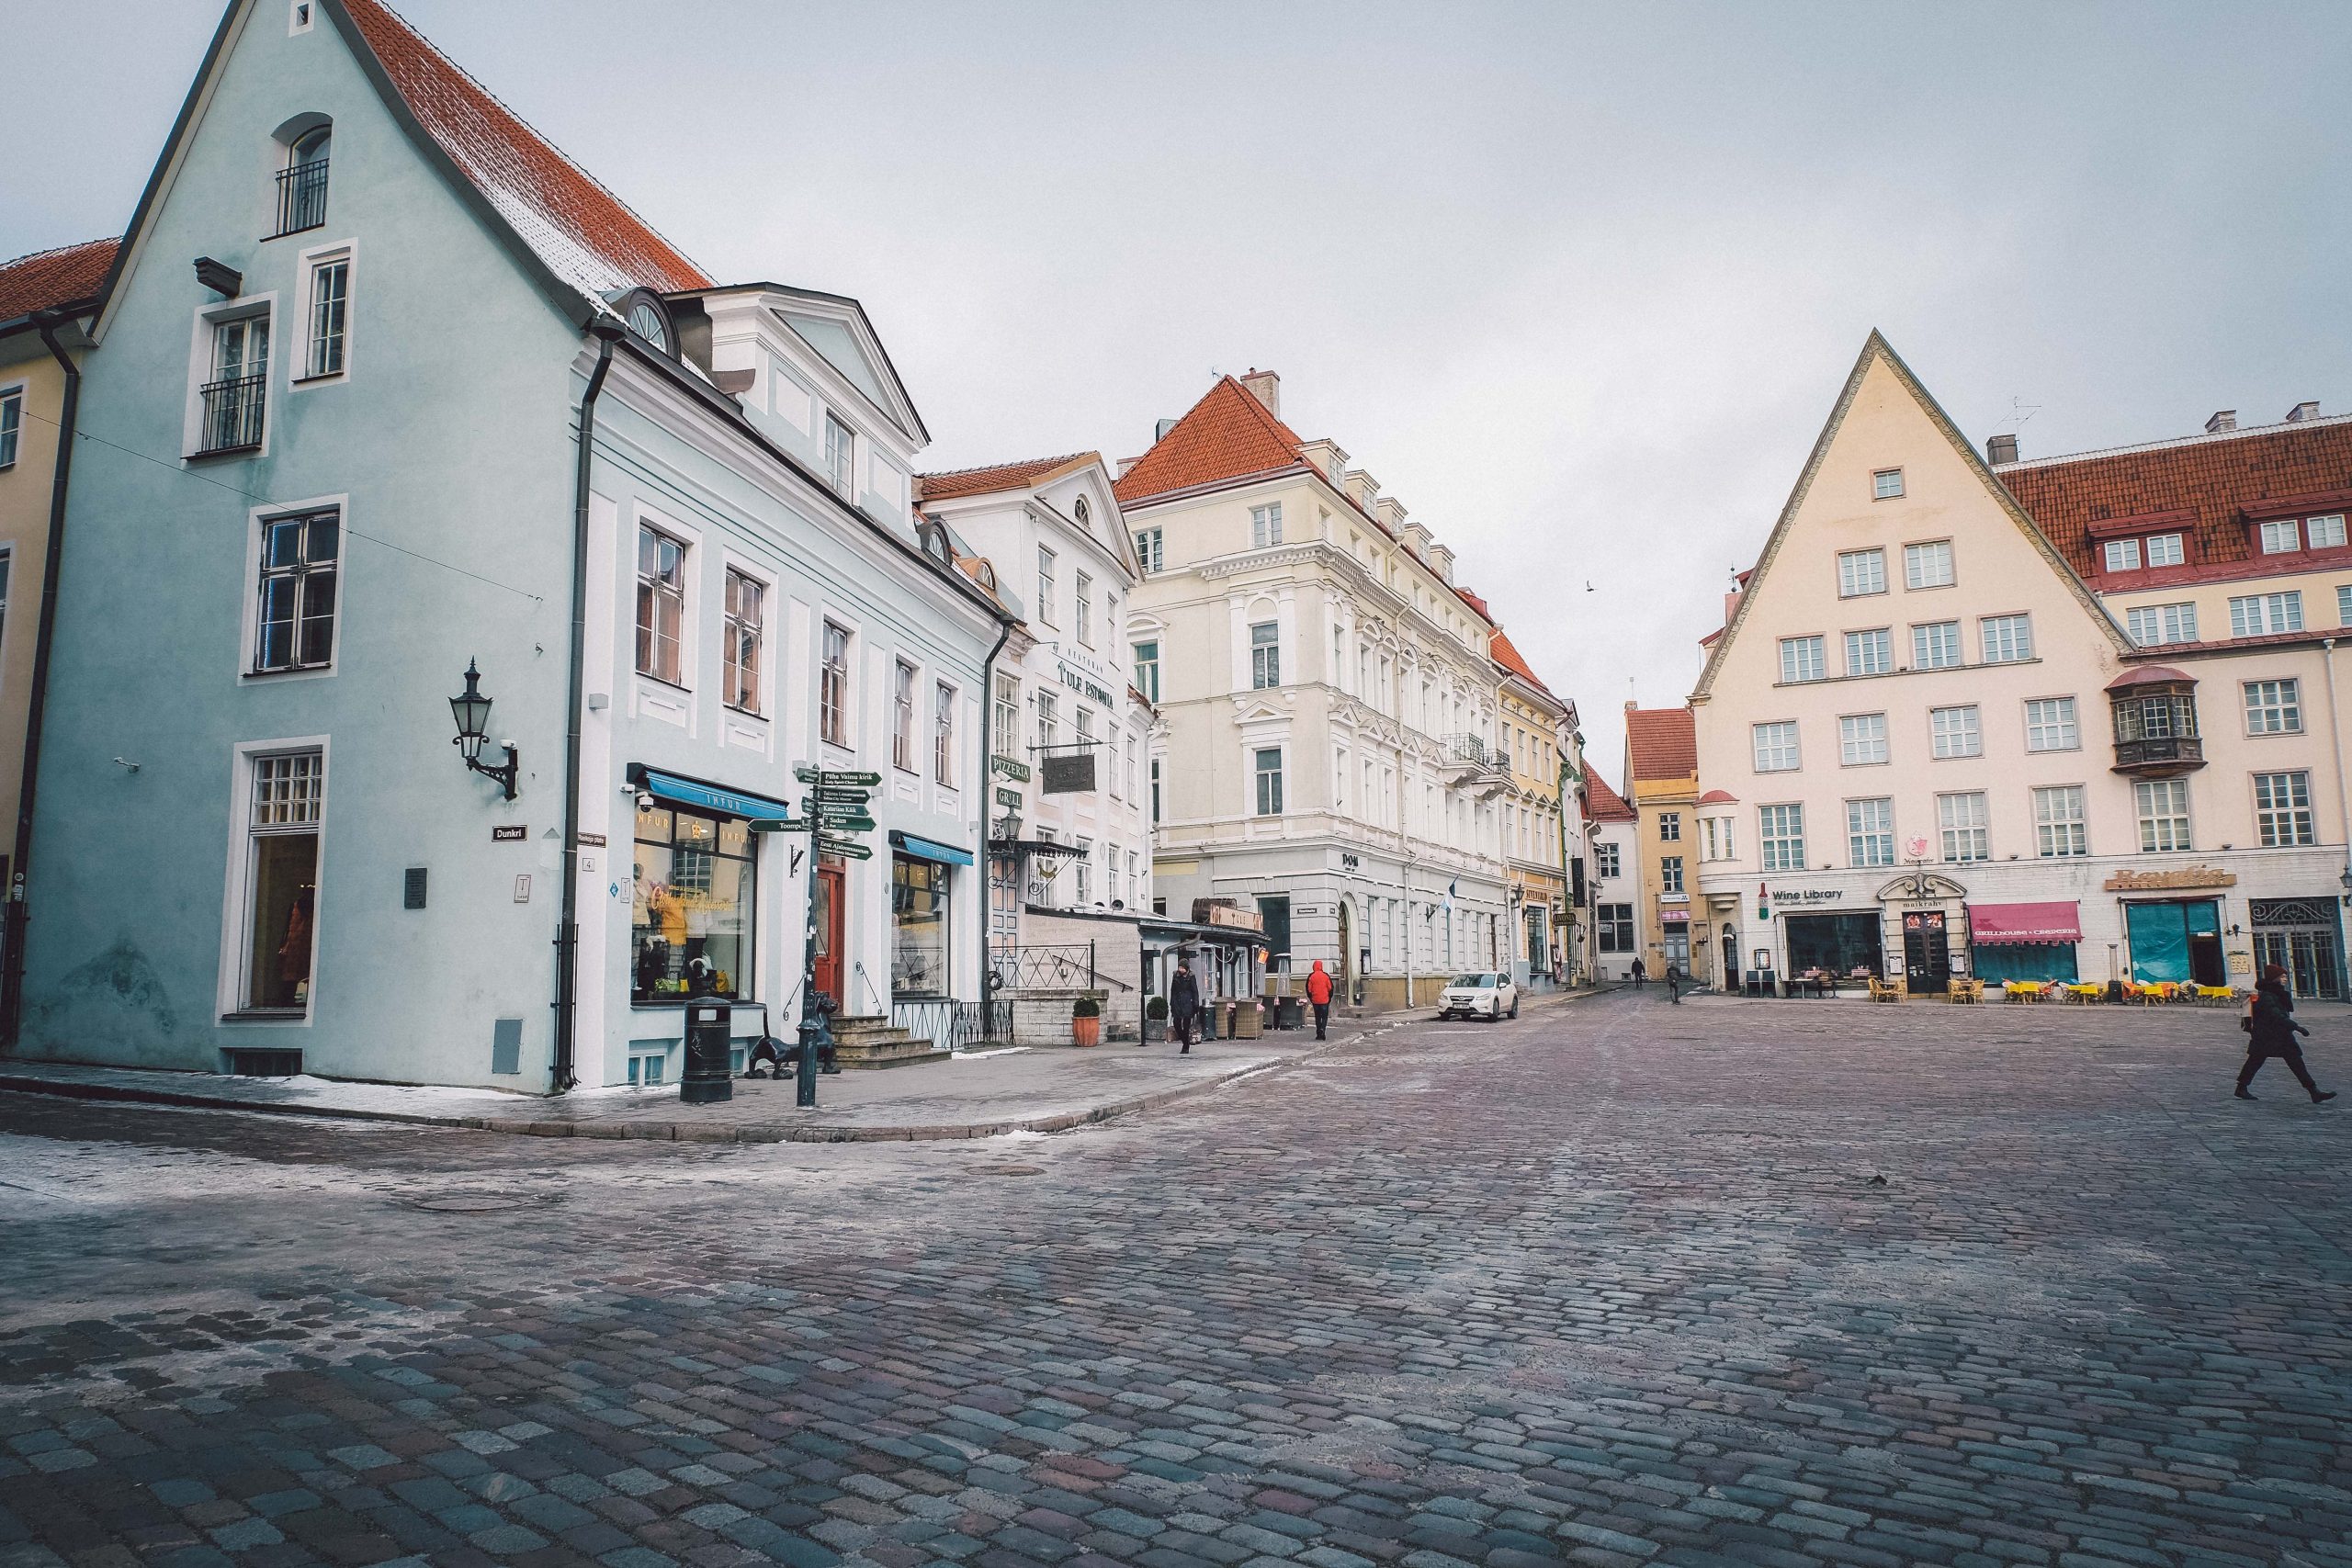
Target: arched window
point(1078, 510)
point(302, 184)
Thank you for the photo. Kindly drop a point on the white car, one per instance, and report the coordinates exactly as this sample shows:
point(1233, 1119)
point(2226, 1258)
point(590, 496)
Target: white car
point(1485, 995)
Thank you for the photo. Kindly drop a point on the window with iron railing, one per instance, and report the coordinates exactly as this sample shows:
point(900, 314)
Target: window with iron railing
point(303, 185)
point(235, 399)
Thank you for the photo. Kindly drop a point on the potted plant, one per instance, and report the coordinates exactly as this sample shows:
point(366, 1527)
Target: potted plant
point(1155, 1019)
point(1086, 1021)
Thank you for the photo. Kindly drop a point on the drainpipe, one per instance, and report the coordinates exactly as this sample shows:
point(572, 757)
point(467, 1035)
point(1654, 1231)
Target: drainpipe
point(607, 331)
point(987, 797)
point(44, 636)
point(2335, 739)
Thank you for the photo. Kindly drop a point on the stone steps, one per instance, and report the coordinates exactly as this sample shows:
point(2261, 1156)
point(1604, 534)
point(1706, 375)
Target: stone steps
point(864, 1043)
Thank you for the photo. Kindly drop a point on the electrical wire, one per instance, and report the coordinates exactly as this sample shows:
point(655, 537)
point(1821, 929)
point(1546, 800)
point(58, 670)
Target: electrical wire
point(173, 464)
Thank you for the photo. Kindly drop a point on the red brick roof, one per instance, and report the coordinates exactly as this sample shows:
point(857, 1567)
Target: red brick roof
point(2210, 484)
point(1664, 743)
point(53, 277)
point(1508, 656)
point(1229, 435)
point(997, 477)
point(583, 232)
point(1603, 804)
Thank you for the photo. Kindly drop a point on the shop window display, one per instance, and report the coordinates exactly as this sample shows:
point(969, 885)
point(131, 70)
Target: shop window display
point(696, 882)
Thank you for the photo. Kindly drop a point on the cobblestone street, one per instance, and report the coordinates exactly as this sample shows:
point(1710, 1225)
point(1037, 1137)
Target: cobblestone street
point(1780, 1283)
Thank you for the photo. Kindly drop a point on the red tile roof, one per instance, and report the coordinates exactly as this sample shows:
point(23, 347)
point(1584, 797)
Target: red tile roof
point(2211, 483)
point(997, 477)
point(582, 232)
point(1229, 435)
point(1664, 743)
point(53, 277)
point(1603, 804)
point(1508, 656)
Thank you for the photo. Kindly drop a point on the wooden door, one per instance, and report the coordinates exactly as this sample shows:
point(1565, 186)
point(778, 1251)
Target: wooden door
point(833, 892)
point(1927, 959)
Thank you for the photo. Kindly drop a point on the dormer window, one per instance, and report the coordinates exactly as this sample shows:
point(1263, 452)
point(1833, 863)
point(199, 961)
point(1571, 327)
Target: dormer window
point(1080, 511)
point(2281, 536)
point(648, 319)
point(933, 538)
point(302, 184)
point(2123, 555)
point(2165, 549)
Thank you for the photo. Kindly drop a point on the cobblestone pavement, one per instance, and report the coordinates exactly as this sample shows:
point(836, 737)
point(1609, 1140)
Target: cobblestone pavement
point(1778, 1284)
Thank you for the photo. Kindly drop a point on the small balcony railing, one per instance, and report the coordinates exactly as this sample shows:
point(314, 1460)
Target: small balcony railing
point(233, 414)
point(1470, 761)
point(301, 197)
point(2160, 757)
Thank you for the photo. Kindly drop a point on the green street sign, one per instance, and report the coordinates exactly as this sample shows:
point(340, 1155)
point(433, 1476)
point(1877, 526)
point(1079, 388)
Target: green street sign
point(846, 825)
point(856, 781)
point(842, 848)
point(781, 825)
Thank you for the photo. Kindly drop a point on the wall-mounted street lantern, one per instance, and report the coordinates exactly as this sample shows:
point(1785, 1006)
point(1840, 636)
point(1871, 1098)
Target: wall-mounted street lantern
point(473, 713)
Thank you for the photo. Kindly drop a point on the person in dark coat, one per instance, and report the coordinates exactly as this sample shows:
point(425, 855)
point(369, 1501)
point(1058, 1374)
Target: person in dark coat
point(1184, 1004)
point(1641, 976)
point(2272, 1025)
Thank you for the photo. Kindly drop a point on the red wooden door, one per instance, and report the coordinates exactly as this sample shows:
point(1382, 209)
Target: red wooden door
point(832, 889)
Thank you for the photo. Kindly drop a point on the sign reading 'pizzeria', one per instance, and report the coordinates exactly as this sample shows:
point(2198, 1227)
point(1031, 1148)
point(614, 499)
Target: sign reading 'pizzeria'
point(2165, 880)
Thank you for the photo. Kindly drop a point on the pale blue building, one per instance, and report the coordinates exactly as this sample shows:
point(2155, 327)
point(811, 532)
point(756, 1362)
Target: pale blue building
point(335, 458)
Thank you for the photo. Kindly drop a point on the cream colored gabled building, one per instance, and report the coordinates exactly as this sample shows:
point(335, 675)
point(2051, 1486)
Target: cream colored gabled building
point(1537, 741)
point(1929, 751)
point(1327, 754)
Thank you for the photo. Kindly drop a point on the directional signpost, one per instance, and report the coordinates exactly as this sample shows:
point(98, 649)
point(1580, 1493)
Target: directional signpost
point(833, 812)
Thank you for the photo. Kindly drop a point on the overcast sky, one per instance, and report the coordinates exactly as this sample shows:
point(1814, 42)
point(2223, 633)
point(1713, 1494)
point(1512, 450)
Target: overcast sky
point(1576, 283)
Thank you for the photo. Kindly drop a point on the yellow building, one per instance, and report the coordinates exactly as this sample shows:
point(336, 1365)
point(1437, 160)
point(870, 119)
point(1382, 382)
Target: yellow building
point(1533, 724)
point(56, 289)
point(1662, 786)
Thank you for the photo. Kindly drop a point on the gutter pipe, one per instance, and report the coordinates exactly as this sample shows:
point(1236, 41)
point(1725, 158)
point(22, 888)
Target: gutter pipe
point(987, 788)
point(607, 332)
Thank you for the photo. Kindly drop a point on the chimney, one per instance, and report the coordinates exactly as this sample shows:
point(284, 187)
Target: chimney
point(2227, 419)
point(1267, 388)
point(2302, 411)
point(1631, 704)
point(1159, 431)
point(2000, 449)
point(1125, 464)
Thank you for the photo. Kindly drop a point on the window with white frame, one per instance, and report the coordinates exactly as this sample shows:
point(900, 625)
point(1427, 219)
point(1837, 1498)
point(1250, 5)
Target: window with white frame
point(1266, 524)
point(1861, 572)
point(1936, 646)
point(1004, 721)
point(2282, 809)
point(12, 424)
point(2122, 554)
point(833, 687)
point(2266, 614)
point(294, 617)
point(1717, 839)
point(1605, 861)
point(1801, 660)
point(1927, 565)
point(942, 735)
point(234, 399)
point(1147, 669)
point(286, 812)
point(2324, 533)
point(2343, 604)
point(1266, 768)
point(2059, 830)
point(2165, 549)
point(1615, 923)
point(1155, 790)
point(2050, 724)
point(1669, 874)
point(1956, 731)
point(1886, 484)
point(661, 604)
point(1869, 653)
point(902, 717)
point(2281, 536)
point(327, 291)
point(1044, 605)
point(1869, 832)
point(1083, 585)
point(1670, 827)
point(2153, 626)
point(1149, 552)
point(2273, 707)
point(2006, 639)
point(1966, 826)
point(1266, 658)
point(1776, 745)
point(1861, 739)
point(1780, 830)
point(1341, 774)
point(1049, 729)
point(2164, 814)
point(1084, 863)
point(841, 453)
point(745, 635)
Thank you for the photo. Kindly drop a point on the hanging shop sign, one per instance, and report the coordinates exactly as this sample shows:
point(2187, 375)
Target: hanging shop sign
point(1070, 773)
point(1009, 798)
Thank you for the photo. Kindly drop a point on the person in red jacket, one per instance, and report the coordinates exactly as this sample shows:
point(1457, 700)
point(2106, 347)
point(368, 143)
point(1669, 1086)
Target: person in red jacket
point(1318, 993)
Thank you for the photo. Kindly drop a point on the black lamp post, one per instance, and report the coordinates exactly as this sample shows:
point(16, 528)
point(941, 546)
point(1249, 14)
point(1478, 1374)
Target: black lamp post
point(473, 713)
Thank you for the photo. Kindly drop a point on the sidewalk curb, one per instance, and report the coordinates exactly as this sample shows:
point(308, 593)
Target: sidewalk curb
point(678, 1132)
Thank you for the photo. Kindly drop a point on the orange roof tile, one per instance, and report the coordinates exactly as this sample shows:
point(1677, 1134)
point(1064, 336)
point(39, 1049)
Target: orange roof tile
point(1664, 743)
point(997, 477)
point(1508, 656)
point(1229, 435)
point(583, 232)
point(53, 277)
point(1603, 804)
point(2203, 487)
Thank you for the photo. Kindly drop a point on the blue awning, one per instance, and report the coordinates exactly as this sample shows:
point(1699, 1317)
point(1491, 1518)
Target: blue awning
point(709, 797)
point(923, 849)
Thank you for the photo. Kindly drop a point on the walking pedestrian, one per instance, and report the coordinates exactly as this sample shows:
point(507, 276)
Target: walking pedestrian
point(2271, 1023)
point(1184, 1004)
point(1641, 976)
point(1318, 996)
point(1673, 987)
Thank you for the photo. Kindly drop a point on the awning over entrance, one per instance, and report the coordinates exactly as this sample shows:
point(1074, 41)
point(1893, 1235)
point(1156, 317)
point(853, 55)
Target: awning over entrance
point(923, 849)
point(711, 798)
point(2003, 924)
